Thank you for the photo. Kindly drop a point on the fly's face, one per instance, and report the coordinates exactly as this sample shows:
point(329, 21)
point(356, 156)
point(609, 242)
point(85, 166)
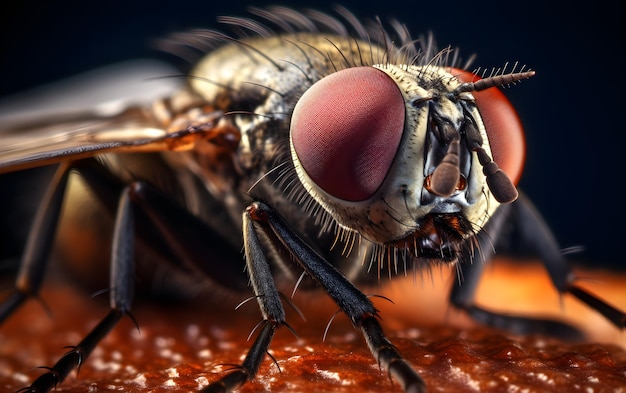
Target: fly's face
point(401, 155)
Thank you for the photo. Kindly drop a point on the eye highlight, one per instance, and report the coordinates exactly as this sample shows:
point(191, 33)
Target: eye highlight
point(346, 129)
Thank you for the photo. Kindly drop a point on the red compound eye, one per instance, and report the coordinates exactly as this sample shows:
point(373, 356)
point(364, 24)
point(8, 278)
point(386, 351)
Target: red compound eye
point(504, 129)
point(346, 130)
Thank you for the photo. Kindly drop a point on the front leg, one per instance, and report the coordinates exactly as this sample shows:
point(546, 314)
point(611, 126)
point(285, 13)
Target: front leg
point(270, 304)
point(350, 300)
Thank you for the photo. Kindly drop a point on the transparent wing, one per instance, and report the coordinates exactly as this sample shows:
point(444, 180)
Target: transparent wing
point(101, 111)
point(82, 136)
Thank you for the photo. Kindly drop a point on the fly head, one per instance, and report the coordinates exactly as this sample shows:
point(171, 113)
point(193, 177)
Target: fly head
point(401, 154)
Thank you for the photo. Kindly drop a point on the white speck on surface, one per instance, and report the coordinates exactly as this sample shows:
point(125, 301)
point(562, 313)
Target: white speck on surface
point(346, 338)
point(193, 330)
point(205, 353)
point(334, 376)
point(226, 345)
point(411, 333)
point(458, 374)
point(169, 354)
point(163, 342)
point(542, 377)
point(219, 333)
point(22, 378)
point(593, 379)
point(329, 375)
point(202, 382)
point(101, 365)
point(170, 384)
point(172, 372)
point(516, 389)
point(140, 380)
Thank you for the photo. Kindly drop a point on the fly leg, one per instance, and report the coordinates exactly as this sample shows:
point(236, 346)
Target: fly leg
point(462, 297)
point(537, 233)
point(137, 207)
point(360, 310)
point(537, 238)
point(39, 244)
point(121, 294)
point(271, 309)
point(33, 266)
point(184, 242)
point(464, 289)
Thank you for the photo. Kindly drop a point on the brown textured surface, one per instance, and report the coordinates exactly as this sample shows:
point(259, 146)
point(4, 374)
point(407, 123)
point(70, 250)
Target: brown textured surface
point(181, 348)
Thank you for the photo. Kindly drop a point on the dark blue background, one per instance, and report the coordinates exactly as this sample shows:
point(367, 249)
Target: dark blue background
point(573, 109)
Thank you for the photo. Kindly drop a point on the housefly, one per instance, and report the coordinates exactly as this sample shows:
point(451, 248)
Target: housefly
point(331, 151)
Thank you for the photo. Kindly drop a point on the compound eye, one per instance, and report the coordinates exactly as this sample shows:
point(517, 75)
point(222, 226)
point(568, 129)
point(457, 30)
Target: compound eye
point(503, 126)
point(346, 129)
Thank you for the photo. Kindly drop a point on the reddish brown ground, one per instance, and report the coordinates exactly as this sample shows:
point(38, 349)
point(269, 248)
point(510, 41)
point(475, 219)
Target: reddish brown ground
point(181, 348)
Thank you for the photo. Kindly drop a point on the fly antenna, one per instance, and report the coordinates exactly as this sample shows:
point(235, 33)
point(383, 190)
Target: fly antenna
point(499, 184)
point(492, 81)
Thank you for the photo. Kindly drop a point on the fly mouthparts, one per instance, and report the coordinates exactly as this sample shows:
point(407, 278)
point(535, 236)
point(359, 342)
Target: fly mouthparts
point(446, 177)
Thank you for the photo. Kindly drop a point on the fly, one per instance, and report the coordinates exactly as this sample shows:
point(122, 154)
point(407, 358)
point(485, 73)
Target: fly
point(321, 149)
